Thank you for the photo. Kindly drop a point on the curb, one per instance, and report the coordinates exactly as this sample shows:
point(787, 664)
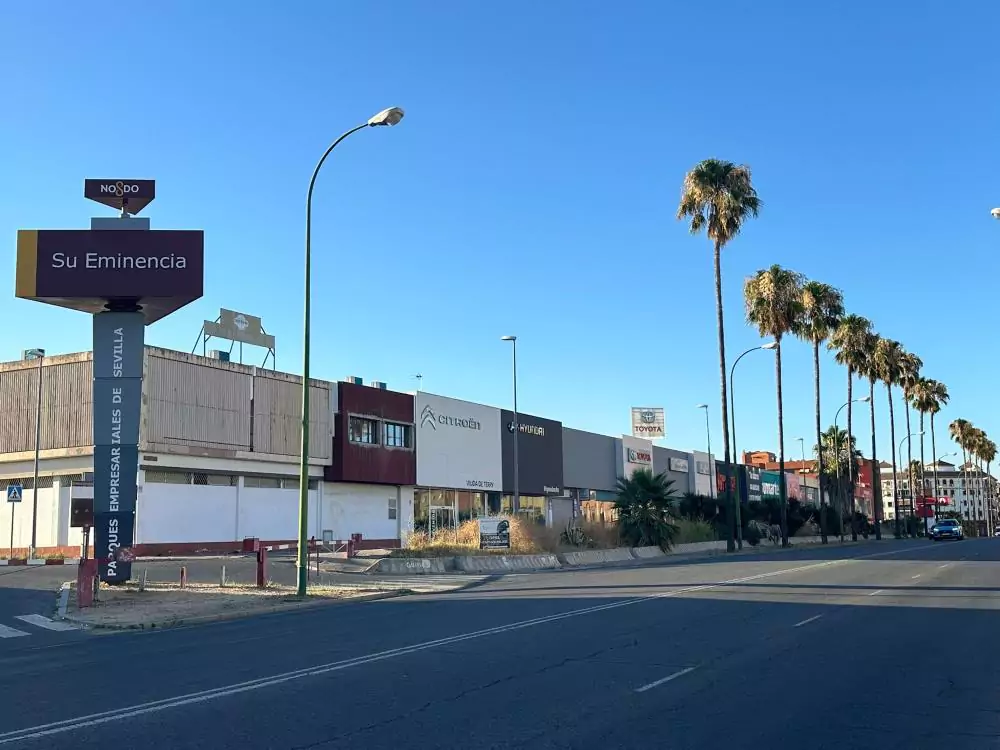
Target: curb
point(203, 619)
point(41, 562)
point(63, 601)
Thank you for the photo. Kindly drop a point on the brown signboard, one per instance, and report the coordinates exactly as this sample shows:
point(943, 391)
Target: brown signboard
point(159, 270)
point(132, 195)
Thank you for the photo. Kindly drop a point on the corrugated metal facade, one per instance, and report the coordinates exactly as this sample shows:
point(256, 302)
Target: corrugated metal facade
point(277, 412)
point(66, 404)
point(191, 405)
point(196, 402)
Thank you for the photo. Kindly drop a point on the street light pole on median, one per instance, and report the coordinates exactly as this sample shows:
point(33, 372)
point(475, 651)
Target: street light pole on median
point(850, 464)
point(899, 453)
point(734, 508)
point(38, 354)
point(386, 117)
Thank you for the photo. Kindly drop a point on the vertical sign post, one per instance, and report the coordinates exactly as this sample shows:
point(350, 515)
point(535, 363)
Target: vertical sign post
point(118, 350)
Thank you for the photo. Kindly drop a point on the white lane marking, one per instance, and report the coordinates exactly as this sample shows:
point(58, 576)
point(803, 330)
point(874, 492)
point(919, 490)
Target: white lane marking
point(6, 632)
point(876, 592)
point(44, 622)
point(941, 567)
point(913, 578)
point(806, 622)
point(141, 709)
point(662, 680)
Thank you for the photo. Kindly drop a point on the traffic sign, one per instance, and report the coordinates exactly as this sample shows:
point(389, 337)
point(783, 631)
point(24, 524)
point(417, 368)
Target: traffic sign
point(14, 492)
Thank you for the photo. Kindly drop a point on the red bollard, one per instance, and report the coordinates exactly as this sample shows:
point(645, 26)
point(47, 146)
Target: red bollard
point(85, 574)
point(262, 568)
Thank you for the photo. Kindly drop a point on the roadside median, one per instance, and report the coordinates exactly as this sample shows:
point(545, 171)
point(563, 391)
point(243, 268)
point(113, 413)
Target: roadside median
point(167, 605)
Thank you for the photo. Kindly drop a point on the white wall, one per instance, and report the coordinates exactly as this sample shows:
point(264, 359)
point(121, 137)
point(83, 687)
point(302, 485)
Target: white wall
point(364, 509)
point(458, 443)
point(197, 513)
point(704, 484)
point(48, 514)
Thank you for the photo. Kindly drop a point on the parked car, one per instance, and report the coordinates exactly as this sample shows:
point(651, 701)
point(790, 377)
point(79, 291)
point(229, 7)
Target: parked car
point(947, 528)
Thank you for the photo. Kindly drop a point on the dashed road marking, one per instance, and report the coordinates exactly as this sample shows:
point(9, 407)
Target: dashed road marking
point(806, 622)
point(663, 680)
point(44, 622)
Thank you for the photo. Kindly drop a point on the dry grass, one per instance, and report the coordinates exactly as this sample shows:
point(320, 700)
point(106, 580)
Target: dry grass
point(526, 538)
point(166, 604)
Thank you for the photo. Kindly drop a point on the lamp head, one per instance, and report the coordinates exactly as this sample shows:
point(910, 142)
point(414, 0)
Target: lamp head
point(388, 117)
point(770, 345)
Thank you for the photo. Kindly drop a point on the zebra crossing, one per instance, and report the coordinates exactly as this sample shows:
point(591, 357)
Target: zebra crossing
point(28, 625)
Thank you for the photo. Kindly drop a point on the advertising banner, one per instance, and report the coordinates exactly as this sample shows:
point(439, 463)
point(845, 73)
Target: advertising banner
point(118, 357)
point(752, 490)
point(649, 422)
point(769, 484)
point(458, 444)
point(494, 533)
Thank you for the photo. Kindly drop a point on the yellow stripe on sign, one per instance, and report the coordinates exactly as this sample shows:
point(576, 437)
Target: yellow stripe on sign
point(25, 282)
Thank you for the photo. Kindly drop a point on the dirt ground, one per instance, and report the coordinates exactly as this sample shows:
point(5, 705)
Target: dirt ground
point(163, 605)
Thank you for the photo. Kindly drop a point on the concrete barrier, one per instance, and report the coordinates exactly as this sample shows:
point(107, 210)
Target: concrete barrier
point(412, 565)
point(505, 563)
point(644, 553)
point(595, 556)
point(680, 549)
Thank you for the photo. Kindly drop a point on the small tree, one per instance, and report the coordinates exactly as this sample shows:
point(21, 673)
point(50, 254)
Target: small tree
point(643, 507)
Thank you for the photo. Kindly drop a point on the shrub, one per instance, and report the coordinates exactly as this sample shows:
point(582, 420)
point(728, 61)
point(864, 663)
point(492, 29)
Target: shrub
point(643, 506)
point(689, 531)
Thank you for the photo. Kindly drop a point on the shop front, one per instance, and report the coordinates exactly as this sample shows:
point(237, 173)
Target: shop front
point(539, 467)
point(459, 462)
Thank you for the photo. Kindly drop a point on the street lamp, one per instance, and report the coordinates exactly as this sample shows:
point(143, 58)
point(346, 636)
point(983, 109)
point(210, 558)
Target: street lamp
point(802, 450)
point(735, 503)
point(850, 468)
point(386, 117)
point(35, 354)
point(899, 453)
point(995, 213)
point(516, 504)
point(708, 429)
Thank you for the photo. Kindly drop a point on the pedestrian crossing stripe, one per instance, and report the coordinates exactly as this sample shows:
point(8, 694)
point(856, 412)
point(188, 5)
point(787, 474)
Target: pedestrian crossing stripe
point(39, 621)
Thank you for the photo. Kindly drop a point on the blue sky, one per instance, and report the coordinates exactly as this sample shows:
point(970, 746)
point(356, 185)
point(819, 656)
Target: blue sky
point(532, 187)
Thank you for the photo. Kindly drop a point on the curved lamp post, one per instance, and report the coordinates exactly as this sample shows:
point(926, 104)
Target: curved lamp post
point(516, 500)
point(899, 453)
point(386, 117)
point(735, 506)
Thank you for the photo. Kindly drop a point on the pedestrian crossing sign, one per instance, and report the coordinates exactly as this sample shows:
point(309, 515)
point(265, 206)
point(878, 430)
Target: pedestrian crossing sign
point(14, 492)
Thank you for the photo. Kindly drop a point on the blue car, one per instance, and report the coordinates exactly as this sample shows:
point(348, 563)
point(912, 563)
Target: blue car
point(947, 528)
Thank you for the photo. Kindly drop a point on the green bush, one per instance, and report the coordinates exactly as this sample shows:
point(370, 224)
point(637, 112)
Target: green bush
point(644, 506)
point(690, 531)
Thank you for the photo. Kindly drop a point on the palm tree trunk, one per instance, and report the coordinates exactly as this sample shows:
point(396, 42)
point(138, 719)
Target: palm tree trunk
point(892, 444)
point(850, 424)
point(819, 443)
point(987, 500)
point(876, 471)
point(937, 492)
point(923, 468)
point(909, 466)
point(965, 482)
point(782, 490)
point(727, 459)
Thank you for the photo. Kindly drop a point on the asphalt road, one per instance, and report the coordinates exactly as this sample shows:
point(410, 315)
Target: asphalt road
point(885, 646)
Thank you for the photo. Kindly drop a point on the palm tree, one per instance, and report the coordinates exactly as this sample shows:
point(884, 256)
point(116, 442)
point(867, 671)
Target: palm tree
point(849, 341)
point(977, 447)
point(644, 505)
point(960, 431)
point(929, 396)
point(822, 311)
point(888, 365)
point(774, 305)
point(868, 367)
point(718, 196)
point(989, 454)
point(909, 376)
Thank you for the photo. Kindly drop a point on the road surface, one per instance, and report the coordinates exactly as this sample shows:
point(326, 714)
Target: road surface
point(890, 645)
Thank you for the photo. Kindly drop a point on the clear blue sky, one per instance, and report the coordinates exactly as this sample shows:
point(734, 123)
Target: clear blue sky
point(532, 187)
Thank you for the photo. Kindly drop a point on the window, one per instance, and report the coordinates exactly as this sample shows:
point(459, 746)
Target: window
point(167, 477)
point(363, 430)
point(215, 480)
point(392, 509)
point(397, 435)
point(264, 483)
